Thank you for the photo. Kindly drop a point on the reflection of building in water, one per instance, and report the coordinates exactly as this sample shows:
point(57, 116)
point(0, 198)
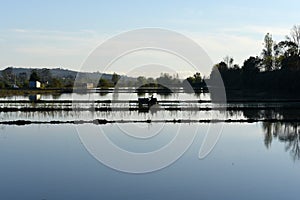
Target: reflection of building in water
point(289, 133)
point(34, 97)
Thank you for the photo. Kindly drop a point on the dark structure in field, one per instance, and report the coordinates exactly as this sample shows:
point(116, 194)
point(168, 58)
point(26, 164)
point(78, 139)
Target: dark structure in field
point(146, 103)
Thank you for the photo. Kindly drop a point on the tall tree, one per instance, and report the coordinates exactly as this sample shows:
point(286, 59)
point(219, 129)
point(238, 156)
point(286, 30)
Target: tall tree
point(229, 61)
point(290, 50)
point(251, 65)
point(267, 54)
point(103, 83)
point(196, 80)
point(45, 75)
point(141, 80)
point(34, 76)
point(295, 38)
point(115, 78)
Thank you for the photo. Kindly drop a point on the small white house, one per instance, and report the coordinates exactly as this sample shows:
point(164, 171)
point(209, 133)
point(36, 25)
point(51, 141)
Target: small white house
point(88, 85)
point(34, 84)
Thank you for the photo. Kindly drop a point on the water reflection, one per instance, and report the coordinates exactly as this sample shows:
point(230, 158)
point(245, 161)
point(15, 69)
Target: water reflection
point(103, 93)
point(108, 95)
point(278, 113)
point(34, 97)
point(289, 133)
point(56, 96)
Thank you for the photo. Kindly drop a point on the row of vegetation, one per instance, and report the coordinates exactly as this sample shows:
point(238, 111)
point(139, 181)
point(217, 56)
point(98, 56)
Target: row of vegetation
point(276, 68)
point(165, 80)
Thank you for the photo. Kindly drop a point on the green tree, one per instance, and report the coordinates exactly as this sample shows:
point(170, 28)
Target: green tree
point(196, 80)
point(103, 83)
point(2, 84)
point(115, 78)
point(8, 76)
point(222, 67)
point(229, 61)
point(141, 80)
point(278, 56)
point(250, 70)
point(267, 54)
point(45, 75)
point(295, 38)
point(23, 80)
point(56, 83)
point(34, 76)
point(289, 50)
point(168, 80)
point(251, 65)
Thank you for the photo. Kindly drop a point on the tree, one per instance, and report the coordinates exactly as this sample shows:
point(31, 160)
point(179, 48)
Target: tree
point(278, 56)
point(251, 65)
point(165, 79)
point(45, 75)
point(115, 78)
point(196, 80)
point(250, 71)
point(197, 77)
point(267, 53)
point(23, 80)
point(228, 61)
point(2, 84)
point(8, 76)
point(222, 67)
point(141, 80)
point(236, 67)
point(34, 76)
point(289, 50)
point(103, 83)
point(295, 38)
point(56, 83)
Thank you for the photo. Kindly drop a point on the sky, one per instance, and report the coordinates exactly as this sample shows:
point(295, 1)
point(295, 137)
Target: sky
point(62, 33)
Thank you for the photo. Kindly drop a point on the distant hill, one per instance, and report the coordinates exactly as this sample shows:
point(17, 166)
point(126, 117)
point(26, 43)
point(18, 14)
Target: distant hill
point(60, 73)
point(19, 74)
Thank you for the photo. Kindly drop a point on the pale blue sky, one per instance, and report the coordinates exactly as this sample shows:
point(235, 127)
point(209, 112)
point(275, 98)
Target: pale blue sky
point(61, 33)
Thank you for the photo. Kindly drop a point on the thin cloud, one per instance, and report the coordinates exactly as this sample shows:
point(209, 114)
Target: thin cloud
point(261, 30)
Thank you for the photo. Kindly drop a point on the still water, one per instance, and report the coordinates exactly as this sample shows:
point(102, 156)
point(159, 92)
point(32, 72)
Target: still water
point(250, 161)
point(53, 161)
point(112, 96)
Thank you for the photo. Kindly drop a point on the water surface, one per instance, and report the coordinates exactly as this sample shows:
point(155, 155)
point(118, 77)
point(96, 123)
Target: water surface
point(50, 162)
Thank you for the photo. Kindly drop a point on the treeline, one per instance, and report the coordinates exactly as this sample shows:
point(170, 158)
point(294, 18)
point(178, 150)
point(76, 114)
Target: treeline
point(165, 80)
point(276, 69)
point(9, 79)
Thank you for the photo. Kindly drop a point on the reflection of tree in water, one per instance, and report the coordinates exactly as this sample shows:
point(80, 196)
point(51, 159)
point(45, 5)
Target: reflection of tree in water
point(289, 133)
point(56, 95)
point(103, 93)
point(279, 113)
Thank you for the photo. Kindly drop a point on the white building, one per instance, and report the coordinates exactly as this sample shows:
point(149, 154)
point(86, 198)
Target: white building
point(88, 85)
point(34, 84)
